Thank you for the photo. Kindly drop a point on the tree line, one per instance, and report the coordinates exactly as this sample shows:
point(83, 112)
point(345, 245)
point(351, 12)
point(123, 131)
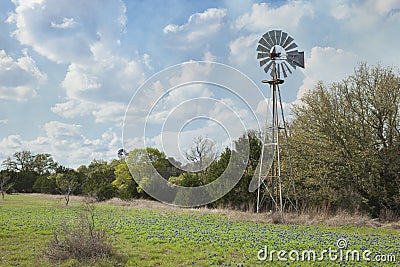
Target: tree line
point(344, 141)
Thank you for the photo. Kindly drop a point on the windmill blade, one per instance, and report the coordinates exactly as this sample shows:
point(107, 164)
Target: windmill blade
point(262, 55)
point(264, 43)
point(264, 61)
point(266, 69)
point(262, 49)
point(283, 38)
point(287, 67)
point(278, 36)
point(287, 42)
point(273, 70)
point(290, 47)
point(291, 63)
point(283, 70)
point(272, 37)
point(268, 39)
point(278, 71)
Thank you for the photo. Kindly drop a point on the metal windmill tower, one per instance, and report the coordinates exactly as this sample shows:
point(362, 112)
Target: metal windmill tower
point(277, 55)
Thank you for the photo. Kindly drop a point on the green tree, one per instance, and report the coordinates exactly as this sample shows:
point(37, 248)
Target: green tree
point(44, 164)
point(21, 161)
point(98, 178)
point(45, 184)
point(27, 168)
point(346, 142)
point(240, 197)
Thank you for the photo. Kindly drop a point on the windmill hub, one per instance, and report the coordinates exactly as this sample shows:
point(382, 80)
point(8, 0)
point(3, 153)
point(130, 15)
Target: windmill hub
point(277, 52)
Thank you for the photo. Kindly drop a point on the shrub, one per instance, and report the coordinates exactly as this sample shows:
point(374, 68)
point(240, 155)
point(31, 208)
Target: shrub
point(82, 240)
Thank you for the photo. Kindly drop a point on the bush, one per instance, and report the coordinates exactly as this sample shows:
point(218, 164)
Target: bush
point(82, 240)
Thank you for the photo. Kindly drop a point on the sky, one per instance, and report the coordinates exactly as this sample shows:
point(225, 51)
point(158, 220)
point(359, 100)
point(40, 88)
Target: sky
point(69, 70)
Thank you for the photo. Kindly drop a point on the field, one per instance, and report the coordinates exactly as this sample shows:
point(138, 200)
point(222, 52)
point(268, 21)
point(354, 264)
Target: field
point(185, 237)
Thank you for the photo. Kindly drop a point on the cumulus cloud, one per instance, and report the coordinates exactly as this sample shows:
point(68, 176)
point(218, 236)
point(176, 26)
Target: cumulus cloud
point(65, 24)
point(327, 64)
point(242, 50)
point(263, 16)
point(66, 143)
point(65, 31)
point(199, 28)
point(20, 78)
point(100, 74)
point(361, 11)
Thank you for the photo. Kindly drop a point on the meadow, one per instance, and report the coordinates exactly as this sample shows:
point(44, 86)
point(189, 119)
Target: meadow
point(165, 236)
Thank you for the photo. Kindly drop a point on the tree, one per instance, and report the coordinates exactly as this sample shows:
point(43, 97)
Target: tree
point(44, 164)
point(98, 177)
point(346, 142)
point(5, 182)
point(27, 168)
point(27, 161)
point(67, 181)
point(45, 184)
point(21, 161)
point(240, 197)
point(201, 155)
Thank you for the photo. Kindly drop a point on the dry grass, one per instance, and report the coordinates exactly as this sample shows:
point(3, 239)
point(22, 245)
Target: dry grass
point(309, 217)
point(304, 217)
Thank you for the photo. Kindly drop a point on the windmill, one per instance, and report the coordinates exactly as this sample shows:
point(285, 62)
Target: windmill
point(277, 54)
point(122, 153)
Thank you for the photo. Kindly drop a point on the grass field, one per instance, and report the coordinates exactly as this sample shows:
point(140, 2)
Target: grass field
point(181, 237)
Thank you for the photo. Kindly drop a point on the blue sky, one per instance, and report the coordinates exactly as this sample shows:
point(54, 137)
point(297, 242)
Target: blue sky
point(69, 68)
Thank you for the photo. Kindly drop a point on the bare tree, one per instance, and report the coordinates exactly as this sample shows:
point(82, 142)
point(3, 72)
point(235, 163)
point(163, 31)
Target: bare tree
point(5, 184)
point(66, 184)
point(201, 155)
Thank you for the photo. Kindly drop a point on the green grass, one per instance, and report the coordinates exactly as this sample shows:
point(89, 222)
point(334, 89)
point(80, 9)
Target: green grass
point(148, 237)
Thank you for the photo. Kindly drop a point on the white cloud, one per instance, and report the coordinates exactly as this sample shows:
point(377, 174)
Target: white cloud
point(199, 28)
point(102, 112)
point(66, 143)
point(242, 50)
point(64, 31)
point(72, 109)
point(19, 79)
point(65, 24)
point(208, 56)
point(262, 16)
point(110, 112)
point(101, 89)
point(327, 64)
point(100, 76)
